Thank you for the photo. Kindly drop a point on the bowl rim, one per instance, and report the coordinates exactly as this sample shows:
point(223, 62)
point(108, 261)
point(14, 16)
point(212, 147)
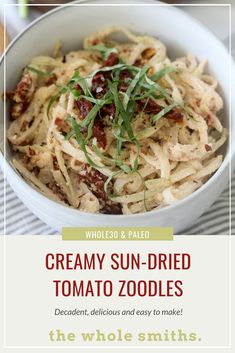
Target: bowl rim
point(228, 157)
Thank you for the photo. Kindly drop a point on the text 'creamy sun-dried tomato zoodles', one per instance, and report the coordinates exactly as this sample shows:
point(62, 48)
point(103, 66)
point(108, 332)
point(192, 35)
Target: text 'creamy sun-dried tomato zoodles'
point(116, 127)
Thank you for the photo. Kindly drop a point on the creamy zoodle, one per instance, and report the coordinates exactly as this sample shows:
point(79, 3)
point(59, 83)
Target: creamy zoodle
point(116, 127)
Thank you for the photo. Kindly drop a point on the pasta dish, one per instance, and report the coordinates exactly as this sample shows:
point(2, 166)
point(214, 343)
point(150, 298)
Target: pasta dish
point(117, 127)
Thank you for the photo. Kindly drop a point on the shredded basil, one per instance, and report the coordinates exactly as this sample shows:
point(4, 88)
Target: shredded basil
point(106, 184)
point(138, 77)
point(54, 98)
point(140, 87)
point(37, 71)
point(105, 50)
point(164, 111)
point(81, 81)
point(81, 142)
point(69, 135)
point(165, 71)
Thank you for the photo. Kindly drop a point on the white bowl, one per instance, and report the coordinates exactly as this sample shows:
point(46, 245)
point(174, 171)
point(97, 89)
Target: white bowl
point(71, 24)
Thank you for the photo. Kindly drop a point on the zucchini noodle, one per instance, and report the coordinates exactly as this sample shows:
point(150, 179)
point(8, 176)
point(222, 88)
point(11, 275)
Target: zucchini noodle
point(116, 127)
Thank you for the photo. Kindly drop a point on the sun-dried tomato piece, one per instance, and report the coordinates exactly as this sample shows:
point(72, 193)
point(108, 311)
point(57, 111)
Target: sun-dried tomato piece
point(175, 115)
point(112, 208)
point(84, 106)
point(208, 148)
point(125, 75)
point(58, 121)
point(95, 181)
point(22, 96)
point(95, 41)
point(151, 107)
point(99, 133)
point(55, 163)
point(112, 60)
point(78, 88)
point(23, 89)
point(51, 79)
point(58, 191)
point(99, 85)
point(91, 175)
point(108, 109)
point(209, 120)
point(98, 127)
point(62, 125)
point(99, 81)
point(36, 170)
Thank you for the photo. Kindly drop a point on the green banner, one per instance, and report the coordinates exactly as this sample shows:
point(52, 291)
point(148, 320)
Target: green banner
point(118, 233)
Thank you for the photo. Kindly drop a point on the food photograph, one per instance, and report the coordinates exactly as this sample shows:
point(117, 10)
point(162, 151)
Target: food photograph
point(116, 114)
point(117, 151)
